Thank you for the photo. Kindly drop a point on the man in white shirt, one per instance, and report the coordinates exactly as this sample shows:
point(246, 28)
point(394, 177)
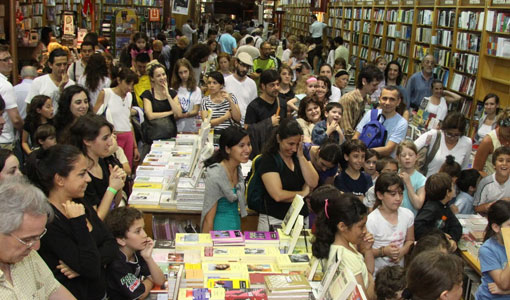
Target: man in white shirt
point(188, 30)
point(23, 274)
point(394, 123)
point(239, 84)
point(316, 29)
point(28, 73)
point(77, 68)
point(54, 83)
point(11, 113)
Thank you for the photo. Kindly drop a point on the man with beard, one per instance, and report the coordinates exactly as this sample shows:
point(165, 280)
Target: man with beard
point(265, 112)
point(239, 84)
point(419, 85)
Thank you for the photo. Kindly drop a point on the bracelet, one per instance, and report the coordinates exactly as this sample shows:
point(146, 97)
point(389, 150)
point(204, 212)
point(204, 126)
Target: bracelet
point(381, 251)
point(114, 191)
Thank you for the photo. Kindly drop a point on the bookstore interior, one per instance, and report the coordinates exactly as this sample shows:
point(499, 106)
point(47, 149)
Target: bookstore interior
point(469, 39)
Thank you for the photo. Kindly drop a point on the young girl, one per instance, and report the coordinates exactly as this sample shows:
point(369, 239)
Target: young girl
point(434, 275)
point(327, 71)
point(40, 111)
point(391, 225)
point(224, 182)
point(371, 159)
point(380, 62)
point(118, 101)
point(140, 44)
point(352, 179)
point(323, 90)
point(414, 189)
point(451, 167)
point(95, 78)
point(298, 54)
point(189, 94)
point(305, 87)
point(224, 64)
point(286, 92)
point(341, 234)
point(492, 255)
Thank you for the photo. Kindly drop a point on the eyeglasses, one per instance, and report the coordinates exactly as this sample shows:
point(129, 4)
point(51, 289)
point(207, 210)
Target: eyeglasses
point(9, 58)
point(29, 242)
point(452, 136)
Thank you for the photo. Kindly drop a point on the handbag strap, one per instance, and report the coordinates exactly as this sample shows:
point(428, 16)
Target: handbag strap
point(434, 149)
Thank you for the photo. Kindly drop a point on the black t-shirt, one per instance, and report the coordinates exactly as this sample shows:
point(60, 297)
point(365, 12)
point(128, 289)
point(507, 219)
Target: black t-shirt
point(291, 181)
point(31, 128)
point(358, 187)
point(124, 279)
point(97, 187)
point(159, 105)
point(259, 110)
point(287, 96)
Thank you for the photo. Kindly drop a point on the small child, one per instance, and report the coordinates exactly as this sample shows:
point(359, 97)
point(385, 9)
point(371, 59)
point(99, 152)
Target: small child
point(451, 167)
point(414, 192)
point(304, 88)
point(495, 186)
point(370, 162)
point(342, 235)
point(466, 184)
point(140, 44)
point(352, 179)
point(435, 213)
point(133, 273)
point(39, 112)
point(435, 275)
point(492, 255)
point(329, 128)
point(45, 136)
point(390, 282)
point(391, 225)
point(384, 165)
point(435, 240)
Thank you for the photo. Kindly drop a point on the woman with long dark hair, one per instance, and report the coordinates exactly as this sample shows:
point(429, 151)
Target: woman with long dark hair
point(72, 104)
point(224, 182)
point(95, 78)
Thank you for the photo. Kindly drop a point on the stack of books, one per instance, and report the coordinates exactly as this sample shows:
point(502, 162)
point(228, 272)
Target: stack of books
point(259, 254)
point(261, 238)
point(287, 287)
point(185, 241)
point(227, 238)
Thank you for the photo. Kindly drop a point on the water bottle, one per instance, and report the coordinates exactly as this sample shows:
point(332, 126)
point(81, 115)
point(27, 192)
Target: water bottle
point(441, 223)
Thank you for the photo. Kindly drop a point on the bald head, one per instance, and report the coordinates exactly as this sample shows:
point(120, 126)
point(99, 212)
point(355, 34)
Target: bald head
point(28, 72)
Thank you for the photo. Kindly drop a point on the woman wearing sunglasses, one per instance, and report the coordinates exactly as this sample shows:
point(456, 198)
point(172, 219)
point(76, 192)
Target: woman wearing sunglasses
point(494, 139)
point(452, 142)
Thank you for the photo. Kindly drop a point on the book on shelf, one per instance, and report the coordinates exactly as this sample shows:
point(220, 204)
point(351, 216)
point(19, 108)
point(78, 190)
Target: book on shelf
point(498, 21)
point(446, 18)
point(498, 46)
point(292, 214)
point(463, 84)
point(471, 20)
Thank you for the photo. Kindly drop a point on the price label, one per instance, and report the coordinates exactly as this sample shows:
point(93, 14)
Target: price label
point(394, 2)
point(474, 1)
point(410, 2)
point(448, 2)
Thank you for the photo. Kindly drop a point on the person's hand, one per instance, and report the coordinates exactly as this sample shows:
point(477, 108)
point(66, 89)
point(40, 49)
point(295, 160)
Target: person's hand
point(452, 243)
point(64, 81)
point(147, 251)
point(275, 120)
point(405, 177)
point(117, 177)
point(226, 95)
point(227, 115)
point(331, 127)
point(366, 244)
point(73, 209)
point(136, 155)
point(392, 251)
point(495, 290)
point(68, 272)
point(300, 148)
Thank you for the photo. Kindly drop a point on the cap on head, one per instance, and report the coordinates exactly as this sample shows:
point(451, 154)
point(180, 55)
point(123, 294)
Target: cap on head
point(245, 58)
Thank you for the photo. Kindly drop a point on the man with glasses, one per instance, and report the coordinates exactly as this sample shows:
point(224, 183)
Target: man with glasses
point(239, 84)
point(419, 85)
point(11, 113)
point(24, 211)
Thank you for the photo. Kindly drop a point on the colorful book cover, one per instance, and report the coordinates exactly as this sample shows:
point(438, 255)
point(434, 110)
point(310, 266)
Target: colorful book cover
point(261, 268)
point(261, 236)
point(201, 294)
point(246, 294)
point(227, 235)
point(228, 283)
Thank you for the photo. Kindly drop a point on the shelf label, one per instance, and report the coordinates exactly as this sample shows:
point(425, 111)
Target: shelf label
point(448, 2)
point(474, 1)
point(409, 2)
point(394, 2)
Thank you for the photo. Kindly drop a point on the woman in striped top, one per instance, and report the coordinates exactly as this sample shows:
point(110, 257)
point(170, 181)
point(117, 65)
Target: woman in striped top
point(223, 105)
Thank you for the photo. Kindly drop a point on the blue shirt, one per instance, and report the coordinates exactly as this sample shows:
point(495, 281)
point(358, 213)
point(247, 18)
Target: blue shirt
point(316, 29)
point(228, 43)
point(492, 257)
point(358, 187)
point(417, 181)
point(319, 134)
point(418, 88)
point(464, 203)
point(396, 127)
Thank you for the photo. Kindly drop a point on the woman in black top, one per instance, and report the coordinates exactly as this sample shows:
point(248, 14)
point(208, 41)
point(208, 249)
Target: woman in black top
point(77, 245)
point(160, 101)
point(92, 134)
point(72, 104)
point(285, 173)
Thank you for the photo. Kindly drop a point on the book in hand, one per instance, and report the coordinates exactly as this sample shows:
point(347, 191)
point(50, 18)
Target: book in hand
point(246, 294)
point(342, 286)
point(287, 284)
point(227, 237)
point(292, 214)
point(261, 237)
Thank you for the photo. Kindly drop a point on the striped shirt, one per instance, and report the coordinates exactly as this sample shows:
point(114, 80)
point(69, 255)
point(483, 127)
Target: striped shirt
point(218, 110)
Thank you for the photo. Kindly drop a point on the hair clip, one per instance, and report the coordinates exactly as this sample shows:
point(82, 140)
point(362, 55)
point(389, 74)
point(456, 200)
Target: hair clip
point(326, 209)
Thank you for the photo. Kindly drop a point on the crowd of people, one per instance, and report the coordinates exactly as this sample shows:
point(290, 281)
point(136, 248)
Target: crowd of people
point(376, 201)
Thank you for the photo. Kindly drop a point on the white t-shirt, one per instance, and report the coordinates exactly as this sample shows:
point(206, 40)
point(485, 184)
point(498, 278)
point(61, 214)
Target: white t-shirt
point(439, 110)
point(120, 109)
point(386, 233)
point(286, 55)
point(489, 190)
point(188, 100)
point(75, 70)
point(461, 152)
point(245, 92)
point(336, 94)
point(103, 84)
point(9, 96)
point(43, 85)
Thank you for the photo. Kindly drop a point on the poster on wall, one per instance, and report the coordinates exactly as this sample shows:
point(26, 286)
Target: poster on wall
point(180, 7)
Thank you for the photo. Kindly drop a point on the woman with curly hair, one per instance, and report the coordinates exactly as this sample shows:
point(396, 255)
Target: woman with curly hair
point(73, 103)
point(95, 78)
